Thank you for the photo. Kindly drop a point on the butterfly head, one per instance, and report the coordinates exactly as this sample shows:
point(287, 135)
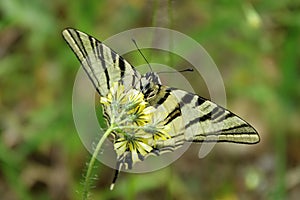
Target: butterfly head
point(152, 77)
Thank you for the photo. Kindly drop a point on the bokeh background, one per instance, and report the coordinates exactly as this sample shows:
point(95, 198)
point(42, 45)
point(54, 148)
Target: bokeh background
point(255, 45)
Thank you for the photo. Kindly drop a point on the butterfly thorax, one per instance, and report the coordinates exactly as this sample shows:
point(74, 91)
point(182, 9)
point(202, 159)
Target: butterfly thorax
point(151, 92)
point(150, 87)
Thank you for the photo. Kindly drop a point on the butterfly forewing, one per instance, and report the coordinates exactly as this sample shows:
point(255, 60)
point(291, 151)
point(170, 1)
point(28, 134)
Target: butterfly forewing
point(102, 65)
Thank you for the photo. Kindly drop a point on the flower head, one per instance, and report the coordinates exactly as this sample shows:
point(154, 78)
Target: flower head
point(134, 145)
point(137, 125)
point(157, 128)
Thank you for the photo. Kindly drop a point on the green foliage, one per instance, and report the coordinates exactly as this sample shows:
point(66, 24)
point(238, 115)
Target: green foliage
point(255, 46)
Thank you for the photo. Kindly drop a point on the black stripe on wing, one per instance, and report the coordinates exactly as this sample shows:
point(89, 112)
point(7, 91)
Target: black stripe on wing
point(176, 112)
point(204, 119)
point(70, 36)
point(99, 61)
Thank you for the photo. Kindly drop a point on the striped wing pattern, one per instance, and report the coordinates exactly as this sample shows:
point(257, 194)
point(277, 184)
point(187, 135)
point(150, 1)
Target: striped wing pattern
point(195, 119)
point(191, 117)
point(102, 65)
point(208, 122)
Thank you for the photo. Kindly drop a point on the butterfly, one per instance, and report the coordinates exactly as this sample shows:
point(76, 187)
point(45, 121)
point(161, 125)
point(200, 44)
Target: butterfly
point(190, 117)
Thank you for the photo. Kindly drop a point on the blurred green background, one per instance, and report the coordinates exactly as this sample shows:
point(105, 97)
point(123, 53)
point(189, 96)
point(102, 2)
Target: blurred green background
point(255, 45)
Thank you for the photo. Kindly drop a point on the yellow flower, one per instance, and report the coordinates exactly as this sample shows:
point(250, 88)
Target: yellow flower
point(115, 94)
point(105, 101)
point(132, 144)
point(157, 128)
point(141, 115)
point(138, 127)
point(134, 98)
point(128, 107)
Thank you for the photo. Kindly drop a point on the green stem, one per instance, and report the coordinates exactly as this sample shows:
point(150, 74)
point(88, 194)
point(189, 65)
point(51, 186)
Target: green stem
point(92, 163)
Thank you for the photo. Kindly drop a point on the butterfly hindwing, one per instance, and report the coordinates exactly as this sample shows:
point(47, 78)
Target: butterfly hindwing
point(209, 122)
point(195, 119)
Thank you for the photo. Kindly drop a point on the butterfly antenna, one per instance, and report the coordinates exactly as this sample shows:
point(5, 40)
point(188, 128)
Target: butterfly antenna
point(184, 70)
point(187, 70)
point(142, 54)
